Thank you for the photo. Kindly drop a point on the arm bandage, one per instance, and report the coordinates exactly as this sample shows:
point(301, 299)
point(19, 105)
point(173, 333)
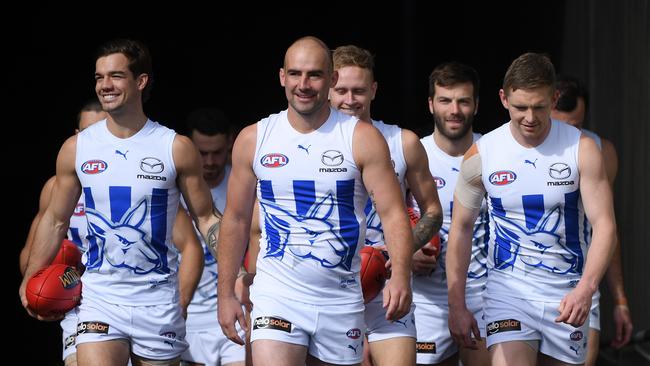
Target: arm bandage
point(469, 188)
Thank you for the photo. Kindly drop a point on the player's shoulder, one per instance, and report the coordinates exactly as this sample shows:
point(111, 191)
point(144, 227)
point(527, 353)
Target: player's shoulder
point(410, 137)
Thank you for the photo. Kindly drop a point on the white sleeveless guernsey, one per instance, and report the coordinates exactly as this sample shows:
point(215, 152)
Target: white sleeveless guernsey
point(433, 289)
point(537, 237)
point(205, 296)
point(312, 217)
point(131, 199)
point(393, 136)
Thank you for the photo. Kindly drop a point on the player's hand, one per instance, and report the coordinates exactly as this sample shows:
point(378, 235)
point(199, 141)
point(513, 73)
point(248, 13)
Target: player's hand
point(230, 311)
point(23, 300)
point(242, 290)
point(423, 264)
point(575, 307)
point(624, 326)
point(397, 297)
point(462, 326)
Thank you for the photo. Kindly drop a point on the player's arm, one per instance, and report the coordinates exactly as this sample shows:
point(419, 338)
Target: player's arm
point(43, 201)
point(371, 156)
point(195, 191)
point(614, 274)
point(247, 275)
point(468, 196)
point(53, 224)
point(235, 232)
point(597, 200)
point(191, 266)
point(423, 189)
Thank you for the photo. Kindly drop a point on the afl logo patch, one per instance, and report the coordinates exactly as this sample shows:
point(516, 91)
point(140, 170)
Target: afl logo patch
point(576, 336)
point(94, 166)
point(502, 177)
point(353, 333)
point(274, 160)
point(79, 210)
point(439, 182)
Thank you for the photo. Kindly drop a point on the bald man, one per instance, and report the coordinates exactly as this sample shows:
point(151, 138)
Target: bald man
point(313, 169)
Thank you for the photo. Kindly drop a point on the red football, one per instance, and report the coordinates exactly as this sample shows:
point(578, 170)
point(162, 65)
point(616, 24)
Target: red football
point(373, 272)
point(68, 254)
point(54, 290)
point(433, 246)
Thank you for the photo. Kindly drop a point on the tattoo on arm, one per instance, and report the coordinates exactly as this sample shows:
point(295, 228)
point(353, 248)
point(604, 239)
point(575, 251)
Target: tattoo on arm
point(212, 238)
point(371, 194)
point(424, 230)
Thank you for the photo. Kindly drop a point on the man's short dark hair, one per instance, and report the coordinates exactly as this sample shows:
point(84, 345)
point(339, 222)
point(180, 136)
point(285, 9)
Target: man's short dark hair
point(209, 121)
point(570, 89)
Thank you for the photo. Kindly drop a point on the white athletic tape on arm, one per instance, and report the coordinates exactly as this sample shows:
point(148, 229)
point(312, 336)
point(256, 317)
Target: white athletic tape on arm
point(469, 188)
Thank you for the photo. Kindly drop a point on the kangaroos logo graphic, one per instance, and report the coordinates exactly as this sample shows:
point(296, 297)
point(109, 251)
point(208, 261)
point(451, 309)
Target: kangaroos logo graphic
point(124, 244)
point(310, 236)
point(539, 247)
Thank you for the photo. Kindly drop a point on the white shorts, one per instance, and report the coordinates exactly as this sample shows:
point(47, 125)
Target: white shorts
point(434, 342)
point(208, 344)
point(69, 328)
point(379, 329)
point(475, 306)
point(331, 333)
point(511, 319)
point(154, 332)
point(594, 315)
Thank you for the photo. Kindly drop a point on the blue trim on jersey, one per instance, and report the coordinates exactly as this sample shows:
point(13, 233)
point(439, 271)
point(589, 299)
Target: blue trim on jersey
point(504, 255)
point(159, 202)
point(275, 247)
point(368, 207)
point(533, 209)
point(347, 218)
point(89, 202)
point(497, 206)
point(120, 201)
point(94, 254)
point(74, 236)
point(571, 219)
point(304, 191)
point(266, 190)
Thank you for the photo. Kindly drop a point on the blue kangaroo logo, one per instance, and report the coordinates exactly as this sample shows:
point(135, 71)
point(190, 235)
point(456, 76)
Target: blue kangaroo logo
point(311, 236)
point(539, 247)
point(124, 244)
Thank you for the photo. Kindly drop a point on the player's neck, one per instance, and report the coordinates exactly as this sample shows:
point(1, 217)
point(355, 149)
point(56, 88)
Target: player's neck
point(453, 147)
point(125, 125)
point(306, 123)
